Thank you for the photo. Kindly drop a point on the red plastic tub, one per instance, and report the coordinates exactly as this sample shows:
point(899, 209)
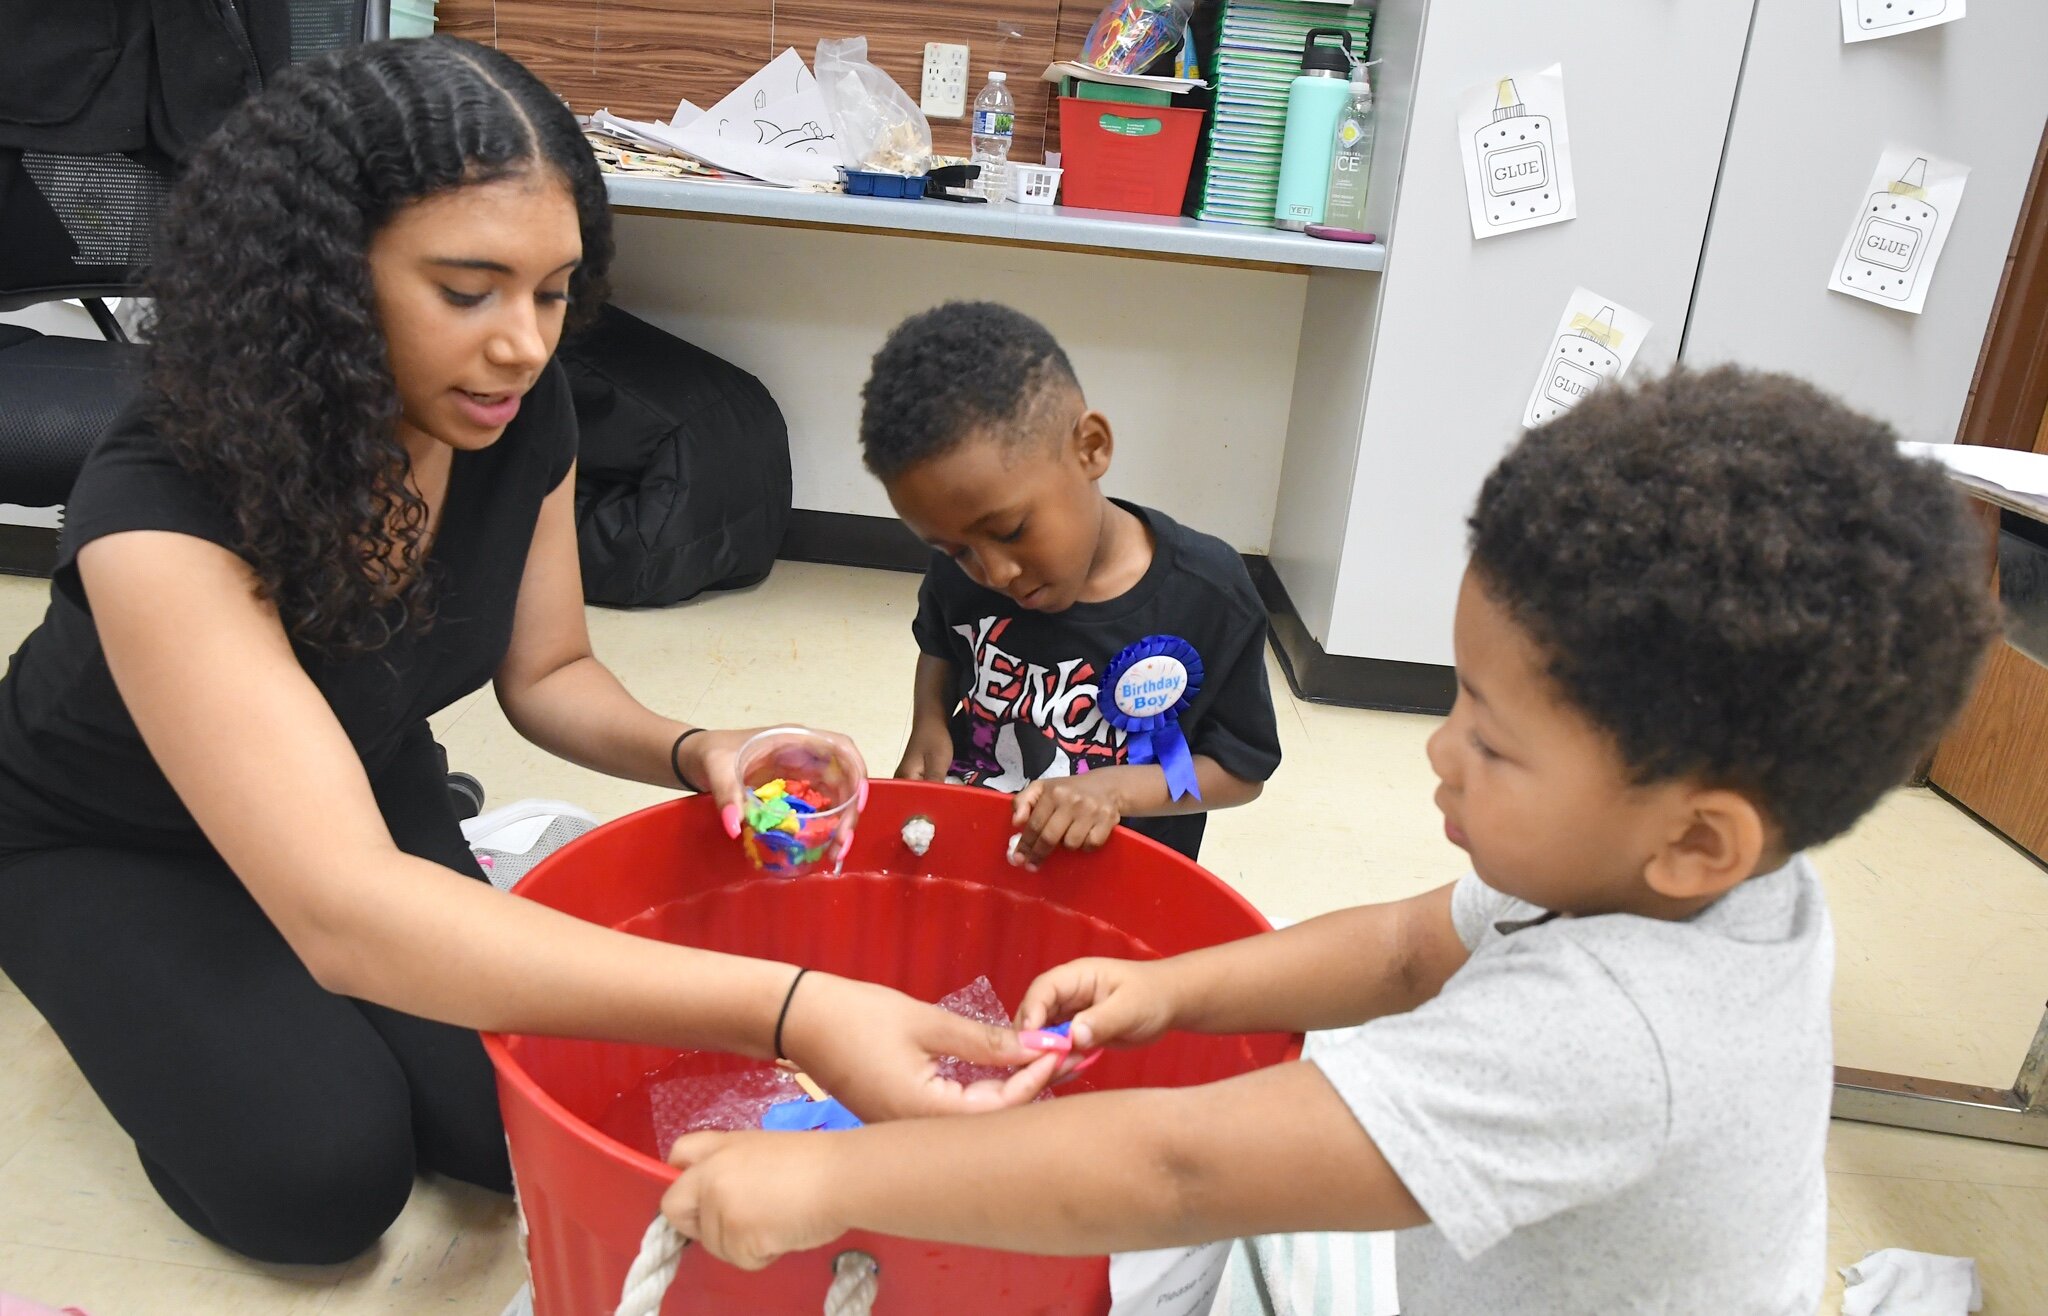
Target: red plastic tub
point(924, 925)
point(1133, 158)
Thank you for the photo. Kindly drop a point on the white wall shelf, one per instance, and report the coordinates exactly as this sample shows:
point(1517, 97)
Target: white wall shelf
point(1104, 232)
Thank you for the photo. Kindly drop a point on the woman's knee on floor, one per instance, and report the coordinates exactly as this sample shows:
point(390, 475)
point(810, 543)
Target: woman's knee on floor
point(312, 1196)
point(475, 1154)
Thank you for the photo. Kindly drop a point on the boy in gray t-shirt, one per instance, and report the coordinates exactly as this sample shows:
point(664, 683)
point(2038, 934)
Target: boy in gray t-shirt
point(1709, 619)
point(1612, 1113)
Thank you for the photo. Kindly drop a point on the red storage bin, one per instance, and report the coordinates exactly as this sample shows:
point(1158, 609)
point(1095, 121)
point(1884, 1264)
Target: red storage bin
point(1120, 156)
point(925, 925)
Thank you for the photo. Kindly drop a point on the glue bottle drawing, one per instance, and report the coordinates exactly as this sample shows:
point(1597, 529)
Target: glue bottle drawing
point(1583, 359)
point(1518, 161)
point(1892, 237)
point(1874, 14)
point(1315, 100)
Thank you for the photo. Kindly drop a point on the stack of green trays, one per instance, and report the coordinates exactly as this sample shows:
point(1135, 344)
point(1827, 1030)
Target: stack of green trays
point(1258, 54)
point(1111, 91)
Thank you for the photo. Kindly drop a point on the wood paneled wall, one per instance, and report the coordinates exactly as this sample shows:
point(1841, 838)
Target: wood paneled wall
point(638, 58)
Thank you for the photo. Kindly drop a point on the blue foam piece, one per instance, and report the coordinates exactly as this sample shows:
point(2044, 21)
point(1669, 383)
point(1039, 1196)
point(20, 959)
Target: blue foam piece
point(1061, 1029)
point(802, 1116)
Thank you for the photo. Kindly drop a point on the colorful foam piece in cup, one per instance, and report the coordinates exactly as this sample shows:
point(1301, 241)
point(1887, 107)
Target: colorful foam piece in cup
point(778, 814)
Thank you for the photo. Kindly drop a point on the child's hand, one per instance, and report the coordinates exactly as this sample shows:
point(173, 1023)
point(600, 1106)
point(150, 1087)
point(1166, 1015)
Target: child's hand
point(751, 1197)
point(878, 1051)
point(1078, 813)
point(1111, 1003)
point(928, 756)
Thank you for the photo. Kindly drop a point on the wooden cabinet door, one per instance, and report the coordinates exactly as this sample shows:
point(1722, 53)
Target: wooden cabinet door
point(1995, 759)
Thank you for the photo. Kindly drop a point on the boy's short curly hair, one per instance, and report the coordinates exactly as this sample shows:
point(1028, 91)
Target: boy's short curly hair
point(1745, 583)
point(959, 369)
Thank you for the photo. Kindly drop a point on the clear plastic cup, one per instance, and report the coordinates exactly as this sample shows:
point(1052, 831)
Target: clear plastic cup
point(803, 799)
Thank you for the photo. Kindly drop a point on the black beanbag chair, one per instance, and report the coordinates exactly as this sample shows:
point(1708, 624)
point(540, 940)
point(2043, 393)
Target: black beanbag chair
point(682, 478)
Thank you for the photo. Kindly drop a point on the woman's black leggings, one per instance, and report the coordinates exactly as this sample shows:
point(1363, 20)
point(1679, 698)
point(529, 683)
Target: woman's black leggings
point(274, 1117)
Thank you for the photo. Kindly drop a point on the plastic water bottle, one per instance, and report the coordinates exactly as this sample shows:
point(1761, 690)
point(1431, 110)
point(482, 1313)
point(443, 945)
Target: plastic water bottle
point(995, 118)
point(1344, 208)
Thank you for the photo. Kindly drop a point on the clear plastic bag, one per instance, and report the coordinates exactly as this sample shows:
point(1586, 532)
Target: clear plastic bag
point(736, 1100)
point(1128, 35)
point(877, 123)
point(976, 1001)
point(726, 1102)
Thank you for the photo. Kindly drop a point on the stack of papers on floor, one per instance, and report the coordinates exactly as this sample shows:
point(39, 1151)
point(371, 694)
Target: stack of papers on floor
point(1258, 54)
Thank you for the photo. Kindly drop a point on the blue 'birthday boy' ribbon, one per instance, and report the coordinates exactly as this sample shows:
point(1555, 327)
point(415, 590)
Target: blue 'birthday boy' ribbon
point(1147, 688)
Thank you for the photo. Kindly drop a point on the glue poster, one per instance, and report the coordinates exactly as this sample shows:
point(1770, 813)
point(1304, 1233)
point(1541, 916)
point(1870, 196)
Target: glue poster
point(1901, 223)
point(1596, 340)
point(1867, 20)
point(1518, 153)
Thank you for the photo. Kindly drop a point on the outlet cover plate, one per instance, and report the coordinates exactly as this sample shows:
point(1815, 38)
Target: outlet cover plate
point(944, 95)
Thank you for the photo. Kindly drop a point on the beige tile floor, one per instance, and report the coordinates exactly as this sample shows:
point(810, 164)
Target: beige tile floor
point(1943, 955)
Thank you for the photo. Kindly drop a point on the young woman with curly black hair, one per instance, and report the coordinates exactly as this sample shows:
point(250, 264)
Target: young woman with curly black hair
point(230, 874)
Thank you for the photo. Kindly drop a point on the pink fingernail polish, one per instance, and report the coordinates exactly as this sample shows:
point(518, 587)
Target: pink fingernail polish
point(1085, 1062)
point(730, 816)
point(863, 796)
point(1040, 1040)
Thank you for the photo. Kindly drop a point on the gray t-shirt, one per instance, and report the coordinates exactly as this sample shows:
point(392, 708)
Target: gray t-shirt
point(1612, 1114)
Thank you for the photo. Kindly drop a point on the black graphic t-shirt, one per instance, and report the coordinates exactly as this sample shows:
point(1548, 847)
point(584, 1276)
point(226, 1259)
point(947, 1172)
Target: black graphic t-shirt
point(1027, 682)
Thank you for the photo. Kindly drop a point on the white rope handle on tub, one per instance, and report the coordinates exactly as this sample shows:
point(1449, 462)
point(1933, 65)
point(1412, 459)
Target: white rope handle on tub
point(856, 1282)
point(661, 1251)
point(856, 1278)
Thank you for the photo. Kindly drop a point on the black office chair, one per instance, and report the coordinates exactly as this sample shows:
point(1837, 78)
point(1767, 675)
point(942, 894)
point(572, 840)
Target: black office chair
point(81, 226)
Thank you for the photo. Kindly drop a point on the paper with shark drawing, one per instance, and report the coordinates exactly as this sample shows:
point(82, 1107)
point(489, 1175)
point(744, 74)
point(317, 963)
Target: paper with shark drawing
point(774, 126)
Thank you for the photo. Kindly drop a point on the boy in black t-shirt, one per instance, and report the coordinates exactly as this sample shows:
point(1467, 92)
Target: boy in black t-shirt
point(1094, 658)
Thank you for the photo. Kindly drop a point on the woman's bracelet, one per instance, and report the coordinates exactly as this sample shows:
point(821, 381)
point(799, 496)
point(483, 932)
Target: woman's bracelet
point(783, 1017)
point(675, 761)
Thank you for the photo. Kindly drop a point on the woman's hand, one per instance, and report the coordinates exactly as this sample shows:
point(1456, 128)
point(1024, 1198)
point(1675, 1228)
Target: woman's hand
point(1110, 1003)
point(710, 759)
point(878, 1051)
point(749, 1198)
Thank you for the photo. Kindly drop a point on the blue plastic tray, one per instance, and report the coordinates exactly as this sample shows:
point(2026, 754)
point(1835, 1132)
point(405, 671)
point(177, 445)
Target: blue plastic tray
point(869, 182)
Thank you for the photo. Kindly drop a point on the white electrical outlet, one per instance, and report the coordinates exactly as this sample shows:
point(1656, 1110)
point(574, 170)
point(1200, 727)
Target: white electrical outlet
point(945, 81)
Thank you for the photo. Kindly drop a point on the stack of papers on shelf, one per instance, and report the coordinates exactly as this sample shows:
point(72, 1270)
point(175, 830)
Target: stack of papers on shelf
point(774, 127)
point(1258, 54)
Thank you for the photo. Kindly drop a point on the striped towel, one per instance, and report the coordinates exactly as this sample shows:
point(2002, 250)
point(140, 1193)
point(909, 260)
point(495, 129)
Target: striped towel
point(1309, 1275)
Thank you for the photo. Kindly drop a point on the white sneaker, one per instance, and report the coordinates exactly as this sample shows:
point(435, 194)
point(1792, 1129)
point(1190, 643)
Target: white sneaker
point(509, 841)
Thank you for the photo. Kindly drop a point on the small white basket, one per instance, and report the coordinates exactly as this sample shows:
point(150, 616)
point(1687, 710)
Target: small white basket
point(1034, 185)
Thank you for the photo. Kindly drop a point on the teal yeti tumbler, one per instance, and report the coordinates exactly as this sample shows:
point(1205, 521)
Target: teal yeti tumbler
point(1315, 100)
